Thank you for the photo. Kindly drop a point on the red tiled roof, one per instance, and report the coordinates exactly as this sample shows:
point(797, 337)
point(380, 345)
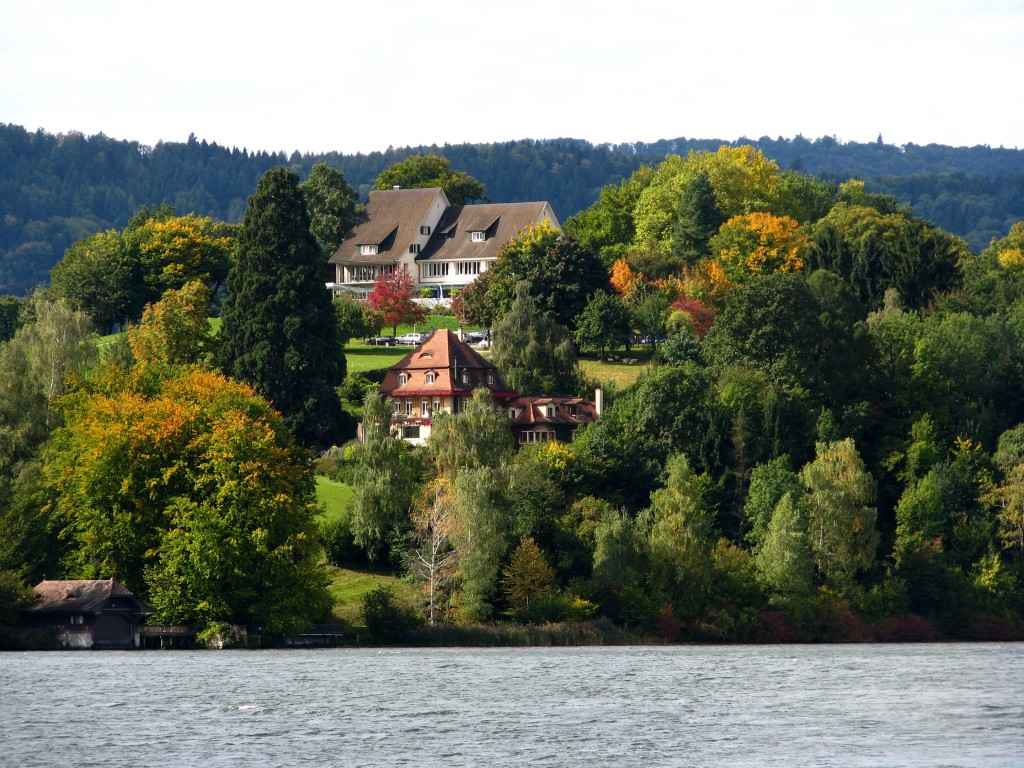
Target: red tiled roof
point(450, 361)
point(529, 410)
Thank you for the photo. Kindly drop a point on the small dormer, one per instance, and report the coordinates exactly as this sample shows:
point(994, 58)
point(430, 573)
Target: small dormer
point(431, 377)
point(478, 236)
point(403, 379)
point(368, 249)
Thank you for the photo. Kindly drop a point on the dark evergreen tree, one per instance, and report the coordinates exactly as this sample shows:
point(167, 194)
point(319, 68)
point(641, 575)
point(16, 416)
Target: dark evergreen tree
point(280, 332)
point(697, 219)
point(331, 203)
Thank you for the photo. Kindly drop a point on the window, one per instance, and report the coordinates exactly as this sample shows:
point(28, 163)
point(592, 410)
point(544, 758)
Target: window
point(414, 248)
point(477, 237)
point(408, 407)
point(424, 408)
point(436, 269)
point(411, 432)
point(396, 406)
point(431, 377)
point(551, 411)
point(437, 405)
point(572, 410)
point(490, 379)
point(367, 250)
point(424, 230)
point(465, 377)
point(468, 267)
point(403, 379)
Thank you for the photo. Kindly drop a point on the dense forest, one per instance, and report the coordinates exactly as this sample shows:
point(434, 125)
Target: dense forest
point(823, 439)
point(56, 189)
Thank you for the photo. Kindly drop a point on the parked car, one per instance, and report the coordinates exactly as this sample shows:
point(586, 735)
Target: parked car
point(382, 341)
point(411, 338)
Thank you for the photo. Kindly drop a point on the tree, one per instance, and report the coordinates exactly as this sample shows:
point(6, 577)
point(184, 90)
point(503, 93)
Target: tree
point(431, 171)
point(472, 306)
point(771, 323)
point(697, 219)
point(332, 206)
point(650, 315)
point(480, 536)
point(195, 495)
point(385, 479)
point(526, 577)
point(769, 482)
point(606, 227)
point(392, 297)
point(478, 436)
point(681, 520)
point(174, 250)
point(562, 275)
point(759, 243)
point(434, 560)
point(841, 520)
point(874, 251)
point(784, 557)
point(10, 316)
point(356, 319)
point(100, 276)
point(279, 331)
point(174, 330)
point(15, 596)
point(604, 323)
point(533, 351)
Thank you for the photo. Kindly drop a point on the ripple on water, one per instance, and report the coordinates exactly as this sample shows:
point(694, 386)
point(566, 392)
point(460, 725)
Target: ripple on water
point(923, 705)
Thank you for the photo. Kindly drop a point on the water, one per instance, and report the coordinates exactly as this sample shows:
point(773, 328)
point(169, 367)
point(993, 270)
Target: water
point(794, 706)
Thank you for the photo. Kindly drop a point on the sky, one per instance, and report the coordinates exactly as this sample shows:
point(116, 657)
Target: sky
point(359, 76)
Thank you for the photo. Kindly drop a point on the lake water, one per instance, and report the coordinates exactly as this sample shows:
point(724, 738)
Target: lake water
point(794, 706)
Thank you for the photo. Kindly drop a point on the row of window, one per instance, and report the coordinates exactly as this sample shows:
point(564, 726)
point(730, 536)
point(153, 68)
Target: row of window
point(442, 268)
point(536, 436)
point(431, 377)
point(404, 407)
point(369, 272)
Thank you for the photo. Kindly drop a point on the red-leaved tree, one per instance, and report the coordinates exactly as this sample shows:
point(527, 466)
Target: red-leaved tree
point(392, 297)
point(701, 316)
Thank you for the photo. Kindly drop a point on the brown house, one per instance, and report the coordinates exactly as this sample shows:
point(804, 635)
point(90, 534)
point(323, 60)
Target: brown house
point(88, 614)
point(438, 376)
point(538, 419)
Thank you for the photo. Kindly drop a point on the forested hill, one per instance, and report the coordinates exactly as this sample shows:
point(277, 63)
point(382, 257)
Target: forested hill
point(55, 189)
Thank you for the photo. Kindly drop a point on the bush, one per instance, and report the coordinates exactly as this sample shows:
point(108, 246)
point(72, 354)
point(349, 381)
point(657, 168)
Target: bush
point(339, 543)
point(555, 607)
point(385, 620)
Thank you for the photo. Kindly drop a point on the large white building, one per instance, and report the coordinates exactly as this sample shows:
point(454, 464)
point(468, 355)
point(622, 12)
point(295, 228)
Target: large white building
point(444, 247)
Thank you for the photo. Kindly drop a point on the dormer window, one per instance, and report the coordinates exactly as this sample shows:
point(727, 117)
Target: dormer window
point(478, 236)
point(424, 230)
point(465, 377)
point(368, 250)
point(414, 248)
point(490, 379)
point(431, 377)
point(403, 379)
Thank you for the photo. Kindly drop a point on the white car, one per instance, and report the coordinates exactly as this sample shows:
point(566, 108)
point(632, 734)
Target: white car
point(412, 339)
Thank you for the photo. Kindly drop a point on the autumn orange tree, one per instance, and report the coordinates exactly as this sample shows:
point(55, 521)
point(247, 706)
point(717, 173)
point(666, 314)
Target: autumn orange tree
point(193, 492)
point(759, 243)
point(392, 297)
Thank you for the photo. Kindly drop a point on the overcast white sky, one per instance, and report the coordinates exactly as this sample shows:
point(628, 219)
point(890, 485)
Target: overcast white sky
point(358, 76)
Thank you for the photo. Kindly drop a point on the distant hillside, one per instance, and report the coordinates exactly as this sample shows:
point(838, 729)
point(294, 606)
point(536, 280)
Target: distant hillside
point(55, 189)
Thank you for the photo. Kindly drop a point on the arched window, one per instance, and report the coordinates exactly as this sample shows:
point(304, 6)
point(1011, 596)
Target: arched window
point(403, 379)
point(431, 377)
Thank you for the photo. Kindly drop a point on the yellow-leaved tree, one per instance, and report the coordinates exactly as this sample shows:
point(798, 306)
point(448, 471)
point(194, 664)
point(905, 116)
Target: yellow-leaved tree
point(759, 243)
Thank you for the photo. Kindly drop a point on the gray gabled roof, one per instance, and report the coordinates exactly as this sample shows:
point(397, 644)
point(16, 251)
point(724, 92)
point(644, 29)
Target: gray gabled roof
point(391, 221)
point(501, 221)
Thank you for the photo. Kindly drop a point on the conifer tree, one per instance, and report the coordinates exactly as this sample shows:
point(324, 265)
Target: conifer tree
point(279, 331)
point(697, 219)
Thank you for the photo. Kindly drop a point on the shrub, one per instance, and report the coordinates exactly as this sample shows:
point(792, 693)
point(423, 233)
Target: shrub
point(386, 620)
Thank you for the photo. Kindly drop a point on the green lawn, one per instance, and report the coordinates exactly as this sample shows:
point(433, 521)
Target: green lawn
point(361, 357)
point(620, 374)
point(334, 497)
point(347, 587)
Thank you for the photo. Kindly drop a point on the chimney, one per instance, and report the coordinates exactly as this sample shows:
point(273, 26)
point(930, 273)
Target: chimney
point(397, 187)
point(599, 401)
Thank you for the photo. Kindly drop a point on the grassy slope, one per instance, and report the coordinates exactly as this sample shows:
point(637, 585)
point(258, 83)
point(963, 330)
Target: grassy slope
point(347, 587)
point(621, 375)
point(334, 497)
